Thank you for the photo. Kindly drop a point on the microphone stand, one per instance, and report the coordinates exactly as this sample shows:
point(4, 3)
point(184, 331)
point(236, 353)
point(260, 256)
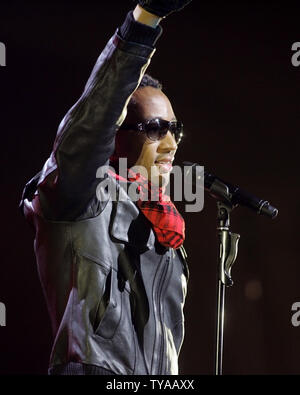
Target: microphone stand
point(228, 197)
point(228, 247)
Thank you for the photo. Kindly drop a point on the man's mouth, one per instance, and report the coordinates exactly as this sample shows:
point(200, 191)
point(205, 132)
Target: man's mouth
point(165, 165)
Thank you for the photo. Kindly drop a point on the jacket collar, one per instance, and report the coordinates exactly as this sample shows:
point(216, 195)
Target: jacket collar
point(128, 224)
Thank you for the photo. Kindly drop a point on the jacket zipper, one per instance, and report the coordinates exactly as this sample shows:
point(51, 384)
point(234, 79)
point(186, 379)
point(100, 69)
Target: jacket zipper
point(160, 320)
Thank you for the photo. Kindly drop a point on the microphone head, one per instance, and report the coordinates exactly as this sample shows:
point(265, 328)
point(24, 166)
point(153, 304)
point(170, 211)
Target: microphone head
point(268, 210)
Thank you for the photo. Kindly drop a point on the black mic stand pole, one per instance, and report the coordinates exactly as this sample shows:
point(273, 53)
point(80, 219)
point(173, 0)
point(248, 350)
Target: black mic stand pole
point(228, 247)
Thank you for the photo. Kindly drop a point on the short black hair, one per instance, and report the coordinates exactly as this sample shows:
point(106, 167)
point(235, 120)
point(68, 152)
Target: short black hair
point(148, 80)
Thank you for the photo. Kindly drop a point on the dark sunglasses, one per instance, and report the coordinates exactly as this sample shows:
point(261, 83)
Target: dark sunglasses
point(157, 129)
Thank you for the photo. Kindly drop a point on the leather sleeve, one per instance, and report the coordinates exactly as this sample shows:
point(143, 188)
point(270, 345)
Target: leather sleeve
point(85, 137)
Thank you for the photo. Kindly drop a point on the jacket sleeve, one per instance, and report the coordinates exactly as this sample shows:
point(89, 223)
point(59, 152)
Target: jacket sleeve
point(86, 136)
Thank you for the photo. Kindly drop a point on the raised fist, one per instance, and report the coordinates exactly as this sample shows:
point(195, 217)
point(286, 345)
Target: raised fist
point(163, 8)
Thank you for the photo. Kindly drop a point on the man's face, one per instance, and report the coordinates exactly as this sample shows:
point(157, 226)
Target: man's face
point(154, 157)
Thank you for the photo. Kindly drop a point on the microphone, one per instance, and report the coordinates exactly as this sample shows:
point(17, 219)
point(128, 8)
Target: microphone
point(223, 190)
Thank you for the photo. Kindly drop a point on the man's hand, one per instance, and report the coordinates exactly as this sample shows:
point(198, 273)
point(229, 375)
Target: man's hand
point(163, 8)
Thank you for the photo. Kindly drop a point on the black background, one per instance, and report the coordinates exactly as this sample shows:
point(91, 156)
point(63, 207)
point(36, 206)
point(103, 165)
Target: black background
point(228, 73)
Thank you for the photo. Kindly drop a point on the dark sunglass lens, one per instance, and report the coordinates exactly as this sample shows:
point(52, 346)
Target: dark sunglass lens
point(156, 129)
point(152, 130)
point(173, 127)
point(176, 129)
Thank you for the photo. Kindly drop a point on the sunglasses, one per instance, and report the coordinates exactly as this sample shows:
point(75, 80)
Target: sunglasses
point(157, 129)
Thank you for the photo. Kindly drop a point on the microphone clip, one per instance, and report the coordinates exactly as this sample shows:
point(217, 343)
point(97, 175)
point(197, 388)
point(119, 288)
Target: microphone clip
point(228, 243)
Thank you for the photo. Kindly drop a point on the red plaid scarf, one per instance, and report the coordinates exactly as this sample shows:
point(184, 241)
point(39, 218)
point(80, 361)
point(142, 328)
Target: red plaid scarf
point(167, 223)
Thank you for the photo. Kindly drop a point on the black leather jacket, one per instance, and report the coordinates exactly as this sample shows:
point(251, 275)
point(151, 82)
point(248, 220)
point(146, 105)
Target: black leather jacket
point(115, 295)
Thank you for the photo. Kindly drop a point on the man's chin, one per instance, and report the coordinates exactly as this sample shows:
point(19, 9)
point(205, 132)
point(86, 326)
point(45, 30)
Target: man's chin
point(160, 180)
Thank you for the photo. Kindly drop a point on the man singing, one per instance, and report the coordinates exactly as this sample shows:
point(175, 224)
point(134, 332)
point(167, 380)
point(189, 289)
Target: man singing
point(112, 268)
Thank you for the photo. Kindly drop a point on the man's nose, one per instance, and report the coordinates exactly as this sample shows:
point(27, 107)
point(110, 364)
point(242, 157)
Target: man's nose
point(168, 143)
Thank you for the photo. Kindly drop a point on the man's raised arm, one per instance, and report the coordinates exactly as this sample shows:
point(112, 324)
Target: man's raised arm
point(86, 136)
